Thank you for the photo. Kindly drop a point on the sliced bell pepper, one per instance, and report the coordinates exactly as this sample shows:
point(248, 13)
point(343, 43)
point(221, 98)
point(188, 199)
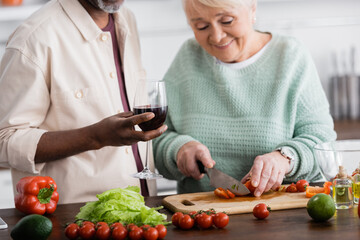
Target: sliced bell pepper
point(312, 191)
point(36, 195)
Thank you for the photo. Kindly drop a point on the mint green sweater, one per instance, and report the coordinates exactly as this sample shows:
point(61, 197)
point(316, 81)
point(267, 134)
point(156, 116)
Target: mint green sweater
point(242, 113)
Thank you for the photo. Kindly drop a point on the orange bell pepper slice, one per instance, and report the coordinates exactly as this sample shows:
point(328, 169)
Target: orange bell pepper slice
point(312, 191)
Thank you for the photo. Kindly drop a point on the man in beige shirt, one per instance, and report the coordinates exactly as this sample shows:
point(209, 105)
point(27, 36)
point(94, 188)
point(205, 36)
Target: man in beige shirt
point(65, 90)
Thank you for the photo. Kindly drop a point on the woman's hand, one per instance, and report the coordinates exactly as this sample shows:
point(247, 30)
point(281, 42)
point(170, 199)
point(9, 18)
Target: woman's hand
point(267, 172)
point(187, 156)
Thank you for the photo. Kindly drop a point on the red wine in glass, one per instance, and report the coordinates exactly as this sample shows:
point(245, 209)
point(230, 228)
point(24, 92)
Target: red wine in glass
point(156, 122)
point(150, 96)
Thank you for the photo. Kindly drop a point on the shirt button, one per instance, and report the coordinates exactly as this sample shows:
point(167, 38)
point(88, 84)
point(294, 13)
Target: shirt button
point(127, 150)
point(79, 94)
point(112, 75)
point(119, 111)
point(104, 37)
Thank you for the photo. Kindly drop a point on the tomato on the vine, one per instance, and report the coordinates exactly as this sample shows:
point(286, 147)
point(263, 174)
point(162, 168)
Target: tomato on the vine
point(151, 234)
point(204, 221)
point(161, 230)
point(261, 211)
point(136, 233)
point(186, 222)
point(103, 232)
point(119, 233)
point(116, 224)
point(72, 231)
point(221, 220)
point(99, 224)
point(175, 218)
point(87, 231)
point(88, 222)
point(301, 185)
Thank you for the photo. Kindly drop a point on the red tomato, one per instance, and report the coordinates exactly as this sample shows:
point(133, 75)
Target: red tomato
point(119, 233)
point(87, 231)
point(88, 222)
point(136, 233)
point(301, 185)
point(220, 192)
point(230, 194)
point(151, 234)
point(144, 227)
point(131, 226)
point(103, 232)
point(72, 231)
point(291, 188)
point(175, 218)
point(221, 220)
point(117, 224)
point(261, 211)
point(101, 224)
point(186, 222)
point(204, 221)
point(161, 230)
point(250, 186)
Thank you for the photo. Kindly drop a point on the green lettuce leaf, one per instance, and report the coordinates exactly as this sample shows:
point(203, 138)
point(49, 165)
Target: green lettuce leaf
point(123, 205)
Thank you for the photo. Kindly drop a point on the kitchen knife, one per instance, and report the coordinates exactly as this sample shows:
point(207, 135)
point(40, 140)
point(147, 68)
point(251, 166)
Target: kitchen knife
point(220, 179)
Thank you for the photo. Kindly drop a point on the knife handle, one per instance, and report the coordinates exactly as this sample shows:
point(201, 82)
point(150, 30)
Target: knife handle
point(201, 167)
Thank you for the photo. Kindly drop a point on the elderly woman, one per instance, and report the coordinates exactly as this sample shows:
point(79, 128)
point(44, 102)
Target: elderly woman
point(249, 101)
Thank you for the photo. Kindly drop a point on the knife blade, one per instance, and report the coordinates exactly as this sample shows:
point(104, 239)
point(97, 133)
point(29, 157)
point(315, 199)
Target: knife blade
point(221, 179)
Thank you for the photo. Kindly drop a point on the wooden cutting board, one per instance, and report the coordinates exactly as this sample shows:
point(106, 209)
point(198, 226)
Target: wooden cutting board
point(205, 200)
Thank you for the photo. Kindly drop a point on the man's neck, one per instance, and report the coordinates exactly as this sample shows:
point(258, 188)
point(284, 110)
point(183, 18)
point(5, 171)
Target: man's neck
point(100, 17)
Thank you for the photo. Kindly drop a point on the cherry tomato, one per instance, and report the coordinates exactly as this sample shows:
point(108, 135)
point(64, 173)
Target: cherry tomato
point(175, 218)
point(144, 227)
point(103, 232)
point(72, 231)
point(186, 222)
point(230, 194)
point(117, 224)
point(301, 185)
point(291, 188)
point(136, 233)
point(119, 233)
point(220, 192)
point(261, 211)
point(221, 220)
point(131, 226)
point(151, 234)
point(87, 231)
point(204, 221)
point(88, 222)
point(161, 230)
point(99, 224)
point(250, 186)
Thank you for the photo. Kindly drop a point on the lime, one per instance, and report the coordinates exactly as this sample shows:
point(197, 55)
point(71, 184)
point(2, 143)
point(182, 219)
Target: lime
point(321, 207)
point(32, 227)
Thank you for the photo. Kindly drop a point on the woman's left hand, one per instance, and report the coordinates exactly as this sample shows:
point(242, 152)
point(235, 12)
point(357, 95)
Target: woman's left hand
point(267, 172)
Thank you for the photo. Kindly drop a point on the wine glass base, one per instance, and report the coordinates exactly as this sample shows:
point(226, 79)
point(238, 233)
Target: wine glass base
point(147, 174)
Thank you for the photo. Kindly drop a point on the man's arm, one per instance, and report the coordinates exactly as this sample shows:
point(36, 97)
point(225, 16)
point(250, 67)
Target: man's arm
point(117, 130)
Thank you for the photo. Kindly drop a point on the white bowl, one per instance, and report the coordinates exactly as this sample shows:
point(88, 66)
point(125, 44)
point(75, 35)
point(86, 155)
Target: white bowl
point(331, 155)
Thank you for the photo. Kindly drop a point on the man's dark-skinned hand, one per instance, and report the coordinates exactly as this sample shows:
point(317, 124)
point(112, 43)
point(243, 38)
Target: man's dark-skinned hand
point(116, 130)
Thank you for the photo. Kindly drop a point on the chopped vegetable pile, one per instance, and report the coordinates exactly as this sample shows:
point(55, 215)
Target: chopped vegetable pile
point(121, 205)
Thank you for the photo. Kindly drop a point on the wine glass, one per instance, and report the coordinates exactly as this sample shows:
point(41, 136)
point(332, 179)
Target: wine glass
point(150, 96)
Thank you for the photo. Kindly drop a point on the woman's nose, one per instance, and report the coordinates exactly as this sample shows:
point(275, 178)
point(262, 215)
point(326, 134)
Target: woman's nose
point(217, 34)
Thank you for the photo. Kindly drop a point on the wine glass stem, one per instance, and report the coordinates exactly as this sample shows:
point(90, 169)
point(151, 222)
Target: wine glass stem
point(146, 167)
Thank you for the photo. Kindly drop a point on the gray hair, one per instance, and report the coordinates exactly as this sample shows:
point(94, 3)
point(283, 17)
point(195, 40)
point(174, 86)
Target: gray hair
point(224, 3)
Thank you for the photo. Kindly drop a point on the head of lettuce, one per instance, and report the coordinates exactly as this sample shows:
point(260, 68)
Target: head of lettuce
point(123, 205)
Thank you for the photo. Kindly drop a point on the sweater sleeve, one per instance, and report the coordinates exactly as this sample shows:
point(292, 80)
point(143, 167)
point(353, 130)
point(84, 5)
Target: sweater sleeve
point(313, 122)
point(166, 148)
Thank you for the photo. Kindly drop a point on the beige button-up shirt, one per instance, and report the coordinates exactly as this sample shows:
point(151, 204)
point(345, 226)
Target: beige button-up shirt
point(58, 73)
